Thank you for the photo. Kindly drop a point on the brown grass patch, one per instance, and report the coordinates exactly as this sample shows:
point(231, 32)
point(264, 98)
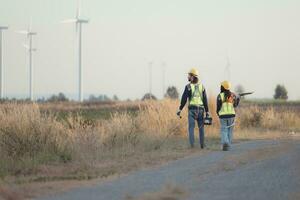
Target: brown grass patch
point(8, 194)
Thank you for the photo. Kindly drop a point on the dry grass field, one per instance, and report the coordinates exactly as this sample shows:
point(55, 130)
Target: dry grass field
point(71, 141)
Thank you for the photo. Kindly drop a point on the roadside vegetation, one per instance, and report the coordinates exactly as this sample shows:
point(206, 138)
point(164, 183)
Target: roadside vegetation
point(70, 141)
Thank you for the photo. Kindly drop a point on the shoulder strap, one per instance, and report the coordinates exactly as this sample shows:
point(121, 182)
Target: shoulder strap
point(201, 89)
point(189, 86)
point(201, 86)
point(222, 96)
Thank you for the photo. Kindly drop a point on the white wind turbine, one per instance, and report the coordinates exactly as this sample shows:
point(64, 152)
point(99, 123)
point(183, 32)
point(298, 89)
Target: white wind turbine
point(29, 33)
point(164, 67)
point(1, 60)
point(150, 65)
point(79, 21)
point(227, 70)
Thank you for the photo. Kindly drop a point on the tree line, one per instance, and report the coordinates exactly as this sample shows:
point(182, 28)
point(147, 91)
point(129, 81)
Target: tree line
point(280, 93)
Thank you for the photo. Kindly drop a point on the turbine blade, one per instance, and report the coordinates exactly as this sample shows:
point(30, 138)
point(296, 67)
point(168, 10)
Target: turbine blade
point(85, 21)
point(228, 61)
point(69, 21)
point(78, 14)
point(26, 46)
point(22, 32)
point(30, 25)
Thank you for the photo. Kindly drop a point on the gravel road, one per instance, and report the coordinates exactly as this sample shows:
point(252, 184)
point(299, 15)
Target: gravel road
point(263, 169)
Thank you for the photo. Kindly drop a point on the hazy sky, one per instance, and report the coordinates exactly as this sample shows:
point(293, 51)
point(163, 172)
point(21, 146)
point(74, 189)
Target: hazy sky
point(260, 37)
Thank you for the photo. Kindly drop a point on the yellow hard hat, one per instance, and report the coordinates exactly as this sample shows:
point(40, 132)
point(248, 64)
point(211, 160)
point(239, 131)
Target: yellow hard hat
point(194, 72)
point(226, 85)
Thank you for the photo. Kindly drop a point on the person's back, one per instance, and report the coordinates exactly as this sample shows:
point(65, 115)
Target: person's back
point(195, 93)
point(226, 103)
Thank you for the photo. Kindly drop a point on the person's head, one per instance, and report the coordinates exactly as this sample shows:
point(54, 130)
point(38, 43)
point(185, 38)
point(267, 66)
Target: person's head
point(222, 89)
point(225, 87)
point(193, 75)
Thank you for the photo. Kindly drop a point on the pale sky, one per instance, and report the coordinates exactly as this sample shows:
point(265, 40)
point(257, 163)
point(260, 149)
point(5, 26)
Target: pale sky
point(260, 37)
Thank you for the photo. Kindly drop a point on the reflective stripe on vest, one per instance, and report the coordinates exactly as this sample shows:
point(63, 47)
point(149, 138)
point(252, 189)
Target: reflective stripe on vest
point(227, 106)
point(196, 97)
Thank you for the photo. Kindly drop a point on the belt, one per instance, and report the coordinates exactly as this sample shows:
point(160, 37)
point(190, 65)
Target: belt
point(196, 107)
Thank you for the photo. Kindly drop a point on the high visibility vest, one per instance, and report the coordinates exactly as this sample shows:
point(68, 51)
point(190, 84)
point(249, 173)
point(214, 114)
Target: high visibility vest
point(227, 105)
point(196, 97)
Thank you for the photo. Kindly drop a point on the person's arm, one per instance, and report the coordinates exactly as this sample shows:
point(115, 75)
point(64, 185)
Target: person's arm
point(205, 103)
point(219, 104)
point(184, 98)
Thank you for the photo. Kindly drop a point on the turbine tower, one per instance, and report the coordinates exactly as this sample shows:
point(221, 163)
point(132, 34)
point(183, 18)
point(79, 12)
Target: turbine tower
point(164, 67)
point(78, 20)
point(29, 33)
point(227, 71)
point(1, 60)
point(150, 65)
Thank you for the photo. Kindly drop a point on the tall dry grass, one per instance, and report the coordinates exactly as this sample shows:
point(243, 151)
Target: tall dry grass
point(30, 138)
point(268, 118)
point(27, 136)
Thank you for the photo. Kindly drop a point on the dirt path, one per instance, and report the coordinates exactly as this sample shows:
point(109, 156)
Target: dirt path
point(251, 170)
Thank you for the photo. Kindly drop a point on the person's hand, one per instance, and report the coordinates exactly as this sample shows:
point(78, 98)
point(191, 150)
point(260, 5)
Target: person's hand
point(237, 101)
point(207, 115)
point(178, 113)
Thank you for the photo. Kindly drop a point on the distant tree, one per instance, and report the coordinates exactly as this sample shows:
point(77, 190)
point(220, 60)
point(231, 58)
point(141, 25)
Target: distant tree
point(280, 92)
point(106, 98)
point(148, 96)
point(52, 98)
point(62, 97)
point(58, 98)
point(6, 99)
point(172, 93)
point(115, 98)
point(101, 97)
point(41, 100)
point(92, 98)
point(240, 89)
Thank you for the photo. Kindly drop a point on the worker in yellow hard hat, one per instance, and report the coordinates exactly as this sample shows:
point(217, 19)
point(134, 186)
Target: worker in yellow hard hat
point(226, 103)
point(196, 94)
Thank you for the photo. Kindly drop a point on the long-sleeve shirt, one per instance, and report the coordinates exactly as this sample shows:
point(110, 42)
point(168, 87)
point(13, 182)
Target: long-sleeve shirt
point(187, 94)
point(219, 105)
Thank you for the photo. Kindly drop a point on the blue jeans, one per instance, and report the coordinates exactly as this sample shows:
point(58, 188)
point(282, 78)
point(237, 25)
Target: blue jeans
point(227, 125)
point(196, 114)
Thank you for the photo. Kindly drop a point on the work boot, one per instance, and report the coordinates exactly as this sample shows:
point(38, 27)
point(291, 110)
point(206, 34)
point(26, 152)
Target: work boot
point(225, 147)
point(202, 146)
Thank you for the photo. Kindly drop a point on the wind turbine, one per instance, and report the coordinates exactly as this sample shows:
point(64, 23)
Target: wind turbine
point(227, 71)
point(164, 67)
point(1, 60)
point(29, 33)
point(150, 65)
point(79, 21)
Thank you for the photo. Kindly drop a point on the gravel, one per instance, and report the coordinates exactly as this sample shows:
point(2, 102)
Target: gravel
point(263, 169)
